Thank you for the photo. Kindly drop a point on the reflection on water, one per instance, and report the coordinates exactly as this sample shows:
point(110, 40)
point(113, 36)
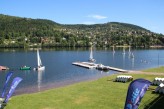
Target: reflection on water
point(40, 73)
point(113, 57)
point(123, 57)
point(132, 59)
point(129, 54)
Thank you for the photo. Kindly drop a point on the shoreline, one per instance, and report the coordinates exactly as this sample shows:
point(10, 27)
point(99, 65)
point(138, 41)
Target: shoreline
point(126, 46)
point(117, 46)
point(49, 86)
point(46, 87)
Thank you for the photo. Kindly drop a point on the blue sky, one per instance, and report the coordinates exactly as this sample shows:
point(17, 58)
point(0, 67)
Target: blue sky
point(145, 13)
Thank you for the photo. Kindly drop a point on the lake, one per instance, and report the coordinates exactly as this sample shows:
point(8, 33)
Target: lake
point(59, 70)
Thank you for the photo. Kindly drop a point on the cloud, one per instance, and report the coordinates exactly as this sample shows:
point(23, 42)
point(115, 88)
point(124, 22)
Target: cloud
point(99, 17)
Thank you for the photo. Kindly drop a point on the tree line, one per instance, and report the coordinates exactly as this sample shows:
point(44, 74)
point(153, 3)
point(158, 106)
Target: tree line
point(26, 32)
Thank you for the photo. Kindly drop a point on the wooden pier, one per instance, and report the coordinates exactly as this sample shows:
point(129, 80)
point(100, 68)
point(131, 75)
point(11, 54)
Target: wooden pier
point(90, 65)
point(117, 69)
point(85, 64)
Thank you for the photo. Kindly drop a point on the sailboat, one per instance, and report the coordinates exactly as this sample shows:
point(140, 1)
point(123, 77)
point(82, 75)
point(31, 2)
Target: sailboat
point(123, 51)
point(91, 57)
point(40, 66)
point(113, 50)
point(132, 55)
point(129, 50)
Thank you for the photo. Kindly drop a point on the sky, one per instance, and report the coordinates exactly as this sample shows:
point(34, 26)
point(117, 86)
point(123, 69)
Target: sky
point(148, 14)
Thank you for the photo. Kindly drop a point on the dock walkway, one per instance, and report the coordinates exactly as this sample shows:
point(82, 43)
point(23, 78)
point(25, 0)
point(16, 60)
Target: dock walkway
point(90, 65)
point(117, 69)
point(85, 64)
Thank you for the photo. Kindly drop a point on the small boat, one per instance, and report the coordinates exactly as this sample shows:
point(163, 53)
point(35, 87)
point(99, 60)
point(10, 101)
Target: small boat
point(3, 68)
point(129, 50)
point(123, 51)
point(25, 68)
point(102, 67)
point(132, 55)
point(91, 59)
point(40, 67)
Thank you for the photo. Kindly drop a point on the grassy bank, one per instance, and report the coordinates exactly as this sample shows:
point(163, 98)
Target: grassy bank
point(99, 94)
point(155, 70)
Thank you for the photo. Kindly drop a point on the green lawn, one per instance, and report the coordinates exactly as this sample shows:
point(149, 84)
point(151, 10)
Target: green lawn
point(99, 94)
point(155, 70)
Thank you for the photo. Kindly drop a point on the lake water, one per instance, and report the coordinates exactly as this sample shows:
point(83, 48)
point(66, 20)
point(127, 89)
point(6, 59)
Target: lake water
point(59, 70)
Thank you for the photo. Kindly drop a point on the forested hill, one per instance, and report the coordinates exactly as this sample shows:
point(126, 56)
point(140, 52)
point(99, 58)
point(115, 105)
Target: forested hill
point(27, 32)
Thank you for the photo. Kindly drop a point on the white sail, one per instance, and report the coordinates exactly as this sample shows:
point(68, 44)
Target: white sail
point(129, 50)
point(39, 62)
point(113, 50)
point(123, 51)
point(132, 55)
point(91, 54)
point(38, 58)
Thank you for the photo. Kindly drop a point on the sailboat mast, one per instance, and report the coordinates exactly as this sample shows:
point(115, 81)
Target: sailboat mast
point(123, 50)
point(91, 54)
point(129, 50)
point(113, 50)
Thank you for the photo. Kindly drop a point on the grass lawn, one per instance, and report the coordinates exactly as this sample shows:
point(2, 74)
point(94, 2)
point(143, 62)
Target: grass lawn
point(98, 94)
point(155, 70)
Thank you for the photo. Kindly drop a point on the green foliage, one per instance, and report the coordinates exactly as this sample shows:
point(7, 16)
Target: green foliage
point(48, 33)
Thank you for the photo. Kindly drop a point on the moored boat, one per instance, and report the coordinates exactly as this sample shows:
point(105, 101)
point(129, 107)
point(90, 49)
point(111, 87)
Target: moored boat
point(40, 67)
point(102, 67)
point(91, 59)
point(3, 68)
point(25, 68)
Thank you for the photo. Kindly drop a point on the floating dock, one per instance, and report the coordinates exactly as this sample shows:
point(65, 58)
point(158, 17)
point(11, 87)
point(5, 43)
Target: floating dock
point(90, 65)
point(117, 69)
point(85, 64)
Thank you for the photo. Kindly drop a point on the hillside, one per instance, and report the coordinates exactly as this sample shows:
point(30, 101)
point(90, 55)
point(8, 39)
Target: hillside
point(27, 32)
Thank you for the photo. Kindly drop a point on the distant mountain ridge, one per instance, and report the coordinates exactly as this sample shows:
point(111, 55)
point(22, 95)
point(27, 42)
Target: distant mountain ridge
point(112, 24)
point(27, 32)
